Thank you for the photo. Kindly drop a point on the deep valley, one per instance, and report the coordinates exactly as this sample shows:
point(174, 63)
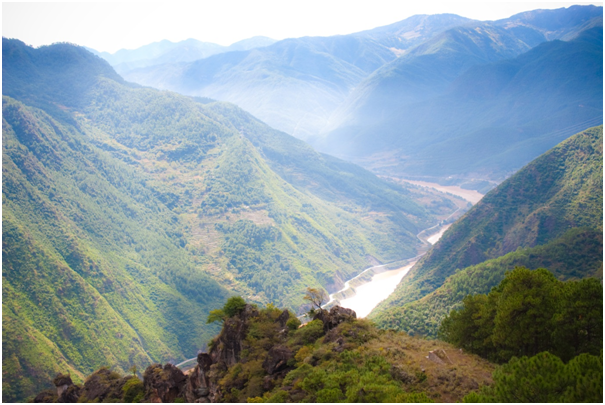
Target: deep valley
point(411, 213)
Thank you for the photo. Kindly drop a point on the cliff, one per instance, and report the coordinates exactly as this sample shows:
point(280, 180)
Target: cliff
point(264, 355)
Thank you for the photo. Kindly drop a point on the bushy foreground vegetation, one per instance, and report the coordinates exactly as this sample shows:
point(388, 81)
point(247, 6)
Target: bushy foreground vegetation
point(545, 378)
point(550, 333)
point(546, 334)
point(527, 313)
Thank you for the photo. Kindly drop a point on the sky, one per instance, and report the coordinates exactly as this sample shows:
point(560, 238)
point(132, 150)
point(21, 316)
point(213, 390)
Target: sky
point(110, 26)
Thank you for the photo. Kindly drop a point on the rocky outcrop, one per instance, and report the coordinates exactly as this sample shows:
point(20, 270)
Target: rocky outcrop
point(197, 388)
point(335, 317)
point(439, 356)
point(67, 391)
point(103, 384)
point(163, 384)
point(277, 359)
point(46, 396)
point(201, 385)
point(283, 318)
point(227, 347)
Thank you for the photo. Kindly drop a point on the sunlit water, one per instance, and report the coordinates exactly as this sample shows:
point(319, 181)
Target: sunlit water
point(370, 294)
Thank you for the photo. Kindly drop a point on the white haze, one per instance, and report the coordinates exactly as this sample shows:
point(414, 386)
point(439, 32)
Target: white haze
point(113, 26)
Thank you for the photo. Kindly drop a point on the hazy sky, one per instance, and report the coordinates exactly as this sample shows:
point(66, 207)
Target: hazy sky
point(109, 26)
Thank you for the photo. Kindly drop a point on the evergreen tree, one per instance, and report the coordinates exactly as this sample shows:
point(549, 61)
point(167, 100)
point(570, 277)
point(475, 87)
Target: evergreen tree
point(545, 378)
point(529, 312)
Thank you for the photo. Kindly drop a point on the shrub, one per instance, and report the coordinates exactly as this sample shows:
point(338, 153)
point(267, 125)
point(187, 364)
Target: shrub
point(312, 331)
point(293, 323)
point(133, 389)
point(234, 306)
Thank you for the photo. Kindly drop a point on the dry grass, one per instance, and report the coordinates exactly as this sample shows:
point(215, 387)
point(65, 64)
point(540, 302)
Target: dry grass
point(448, 382)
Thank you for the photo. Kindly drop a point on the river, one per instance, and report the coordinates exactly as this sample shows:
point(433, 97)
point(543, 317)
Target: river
point(434, 238)
point(367, 296)
point(370, 294)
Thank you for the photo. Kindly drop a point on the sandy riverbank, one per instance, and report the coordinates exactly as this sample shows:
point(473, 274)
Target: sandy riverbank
point(469, 195)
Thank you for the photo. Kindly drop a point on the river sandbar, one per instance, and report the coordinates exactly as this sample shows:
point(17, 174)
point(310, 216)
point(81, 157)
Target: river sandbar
point(469, 195)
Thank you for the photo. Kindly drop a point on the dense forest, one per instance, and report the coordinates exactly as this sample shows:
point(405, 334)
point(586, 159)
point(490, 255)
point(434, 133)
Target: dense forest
point(549, 332)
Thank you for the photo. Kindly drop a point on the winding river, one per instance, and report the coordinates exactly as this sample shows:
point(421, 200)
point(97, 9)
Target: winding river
point(367, 296)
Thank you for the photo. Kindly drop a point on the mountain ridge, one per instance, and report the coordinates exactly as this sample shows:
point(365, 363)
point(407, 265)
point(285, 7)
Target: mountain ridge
point(540, 111)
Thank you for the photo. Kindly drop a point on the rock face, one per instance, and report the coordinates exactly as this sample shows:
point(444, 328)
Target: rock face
point(283, 318)
point(46, 396)
point(67, 391)
point(277, 359)
point(439, 356)
point(228, 345)
point(198, 381)
point(201, 385)
point(102, 384)
point(335, 317)
point(163, 384)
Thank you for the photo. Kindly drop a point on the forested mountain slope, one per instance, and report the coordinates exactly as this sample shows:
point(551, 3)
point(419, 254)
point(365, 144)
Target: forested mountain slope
point(295, 84)
point(123, 207)
point(559, 191)
point(328, 86)
point(414, 30)
point(422, 73)
point(561, 23)
point(93, 268)
point(451, 112)
point(575, 255)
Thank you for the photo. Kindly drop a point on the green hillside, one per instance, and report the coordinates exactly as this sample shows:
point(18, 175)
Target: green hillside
point(93, 271)
point(206, 170)
point(575, 255)
point(128, 213)
point(559, 191)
